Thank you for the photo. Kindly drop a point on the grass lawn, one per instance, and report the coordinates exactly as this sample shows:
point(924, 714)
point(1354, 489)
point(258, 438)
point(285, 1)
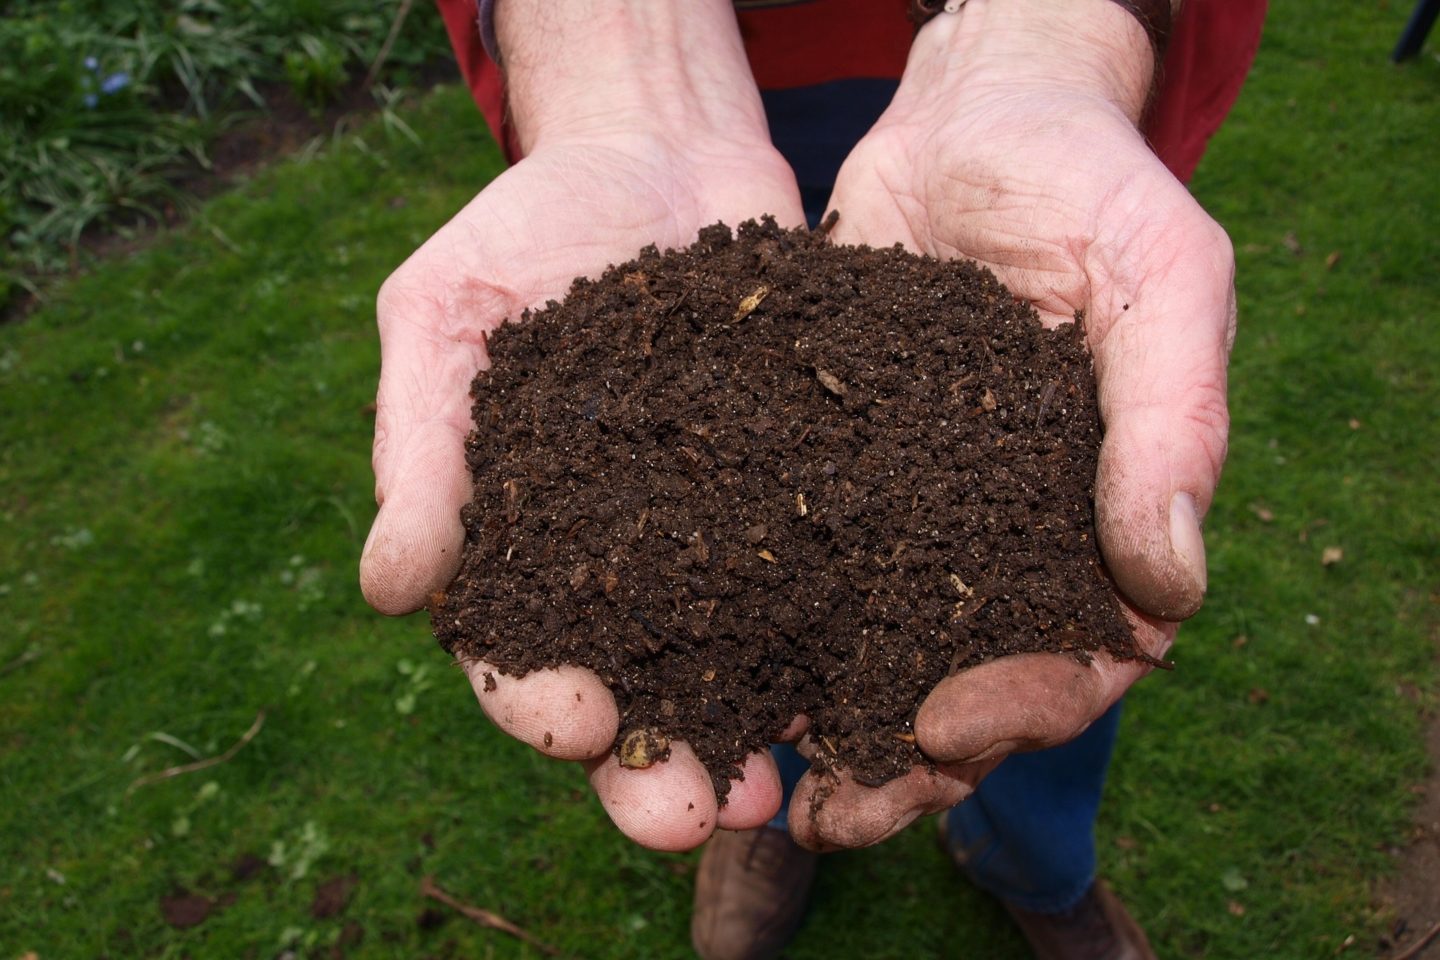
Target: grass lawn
point(184, 488)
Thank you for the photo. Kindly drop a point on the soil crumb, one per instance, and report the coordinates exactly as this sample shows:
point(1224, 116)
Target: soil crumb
point(768, 475)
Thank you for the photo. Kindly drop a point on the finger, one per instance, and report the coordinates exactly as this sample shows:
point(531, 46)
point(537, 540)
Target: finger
point(1028, 701)
point(839, 814)
point(422, 415)
point(755, 799)
point(565, 712)
point(667, 806)
point(1161, 345)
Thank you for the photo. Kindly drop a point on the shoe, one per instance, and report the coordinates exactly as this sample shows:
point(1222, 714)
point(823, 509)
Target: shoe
point(750, 894)
point(1098, 927)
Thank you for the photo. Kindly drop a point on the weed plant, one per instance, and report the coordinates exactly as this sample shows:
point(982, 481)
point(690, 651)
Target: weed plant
point(103, 104)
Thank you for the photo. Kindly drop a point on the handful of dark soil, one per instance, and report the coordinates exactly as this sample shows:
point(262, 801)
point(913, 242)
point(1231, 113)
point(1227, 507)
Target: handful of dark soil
point(766, 476)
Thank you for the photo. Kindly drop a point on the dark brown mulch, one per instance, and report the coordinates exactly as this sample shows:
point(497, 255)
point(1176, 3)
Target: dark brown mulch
point(767, 476)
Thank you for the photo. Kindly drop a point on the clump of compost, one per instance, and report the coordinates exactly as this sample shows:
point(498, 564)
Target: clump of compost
point(768, 475)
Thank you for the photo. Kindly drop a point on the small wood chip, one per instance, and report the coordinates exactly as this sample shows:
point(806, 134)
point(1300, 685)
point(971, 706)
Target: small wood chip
point(708, 675)
point(1331, 556)
point(800, 506)
point(643, 748)
point(514, 496)
point(756, 534)
point(830, 382)
point(748, 305)
point(767, 556)
point(987, 400)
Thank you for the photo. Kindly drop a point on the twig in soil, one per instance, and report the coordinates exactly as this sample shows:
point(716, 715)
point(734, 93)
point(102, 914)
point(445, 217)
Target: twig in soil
point(205, 764)
point(1418, 945)
point(429, 888)
point(828, 224)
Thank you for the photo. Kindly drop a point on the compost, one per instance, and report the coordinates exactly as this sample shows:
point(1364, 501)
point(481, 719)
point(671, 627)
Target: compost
point(768, 475)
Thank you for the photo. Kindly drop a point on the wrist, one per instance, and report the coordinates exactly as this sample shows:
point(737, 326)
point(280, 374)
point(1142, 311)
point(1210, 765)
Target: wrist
point(597, 68)
point(1090, 48)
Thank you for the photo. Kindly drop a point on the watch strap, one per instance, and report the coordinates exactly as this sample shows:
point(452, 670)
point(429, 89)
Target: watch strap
point(1155, 16)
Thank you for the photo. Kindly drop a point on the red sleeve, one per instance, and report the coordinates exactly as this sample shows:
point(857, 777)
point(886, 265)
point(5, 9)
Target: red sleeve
point(482, 76)
point(1211, 49)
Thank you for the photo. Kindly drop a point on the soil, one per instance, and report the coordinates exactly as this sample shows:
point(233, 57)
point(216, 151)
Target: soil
point(767, 476)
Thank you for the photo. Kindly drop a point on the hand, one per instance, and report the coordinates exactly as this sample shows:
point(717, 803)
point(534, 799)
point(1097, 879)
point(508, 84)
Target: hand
point(622, 150)
point(1017, 147)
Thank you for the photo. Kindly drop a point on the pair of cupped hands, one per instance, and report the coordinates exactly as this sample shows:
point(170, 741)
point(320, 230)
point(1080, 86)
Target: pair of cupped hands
point(1044, 179)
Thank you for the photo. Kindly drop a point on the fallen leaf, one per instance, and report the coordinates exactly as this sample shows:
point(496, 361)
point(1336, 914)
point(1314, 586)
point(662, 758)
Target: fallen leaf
point(1126, 843)
point(1236, 908)
point(1354, 423)
point(1262, 512)
point(1331, 556)
point(1292, 243)
point(185, 909)
point(1259, 695)
point(1332, 259)
point(332, 896)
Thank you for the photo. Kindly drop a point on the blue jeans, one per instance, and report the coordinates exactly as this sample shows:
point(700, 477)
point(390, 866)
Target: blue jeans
point(1027, 835)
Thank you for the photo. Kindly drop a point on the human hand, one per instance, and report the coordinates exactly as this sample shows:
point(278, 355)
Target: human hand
point(638, 129)
point(1013, 141)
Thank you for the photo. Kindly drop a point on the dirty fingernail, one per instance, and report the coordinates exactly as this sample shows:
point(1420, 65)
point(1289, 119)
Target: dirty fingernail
point(1185, 539)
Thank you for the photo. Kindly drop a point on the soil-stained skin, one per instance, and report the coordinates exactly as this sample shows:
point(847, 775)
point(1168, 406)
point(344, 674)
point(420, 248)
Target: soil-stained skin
point(767, 475)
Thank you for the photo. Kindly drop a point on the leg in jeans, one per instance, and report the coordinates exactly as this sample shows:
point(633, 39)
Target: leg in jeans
point(1027, 835)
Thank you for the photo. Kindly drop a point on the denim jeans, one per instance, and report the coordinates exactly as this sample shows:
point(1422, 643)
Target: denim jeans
point(1027, 835)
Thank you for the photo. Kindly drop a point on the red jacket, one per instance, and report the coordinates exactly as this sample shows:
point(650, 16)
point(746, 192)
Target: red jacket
point(1211, 48)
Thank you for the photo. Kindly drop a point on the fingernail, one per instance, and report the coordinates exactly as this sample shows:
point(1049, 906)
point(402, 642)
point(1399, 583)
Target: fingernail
point(1186, 541)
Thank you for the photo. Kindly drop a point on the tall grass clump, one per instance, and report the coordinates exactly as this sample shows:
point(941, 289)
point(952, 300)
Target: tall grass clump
point(104, 103)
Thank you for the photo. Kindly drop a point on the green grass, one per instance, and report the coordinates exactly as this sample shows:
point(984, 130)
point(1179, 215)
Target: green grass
point(184, 488)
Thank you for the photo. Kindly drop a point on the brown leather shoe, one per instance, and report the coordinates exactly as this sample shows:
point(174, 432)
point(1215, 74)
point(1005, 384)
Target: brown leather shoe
point(750, 894)
point(1097, 928)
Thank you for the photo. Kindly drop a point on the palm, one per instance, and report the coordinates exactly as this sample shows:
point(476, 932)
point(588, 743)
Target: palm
point(561, 213)
point(1059, 196)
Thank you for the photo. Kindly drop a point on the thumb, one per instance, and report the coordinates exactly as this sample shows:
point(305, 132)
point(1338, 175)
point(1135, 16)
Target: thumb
point(422, 416)
point(1161, 369)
